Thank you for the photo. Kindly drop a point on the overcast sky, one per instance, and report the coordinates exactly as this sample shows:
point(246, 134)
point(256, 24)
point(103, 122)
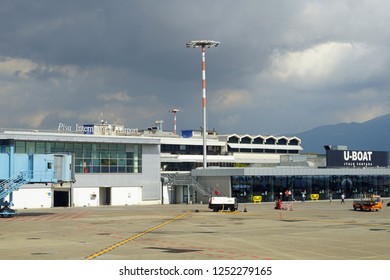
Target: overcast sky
point(282, 66)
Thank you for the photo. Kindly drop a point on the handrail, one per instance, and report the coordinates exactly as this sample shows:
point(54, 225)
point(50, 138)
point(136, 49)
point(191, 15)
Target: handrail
point(199, 185)
point(13, 183)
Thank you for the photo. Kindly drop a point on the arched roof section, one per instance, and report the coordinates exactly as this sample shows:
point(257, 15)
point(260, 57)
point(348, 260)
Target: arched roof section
point(294, 141)
point(234, 138)
point(271, 140)
point(282, 140)
point(246, 139)
point(258, 139)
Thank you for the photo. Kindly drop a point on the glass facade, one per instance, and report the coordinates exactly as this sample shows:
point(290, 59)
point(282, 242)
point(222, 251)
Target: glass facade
point(91, 157)
point(270, 187)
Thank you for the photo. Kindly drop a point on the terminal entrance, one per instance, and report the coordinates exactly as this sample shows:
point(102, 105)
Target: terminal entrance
point(61, 198)
point(243, 193)
point(104, 196)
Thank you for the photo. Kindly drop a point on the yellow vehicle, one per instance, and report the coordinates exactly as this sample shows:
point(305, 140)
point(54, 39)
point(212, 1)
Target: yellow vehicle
point(368, 203)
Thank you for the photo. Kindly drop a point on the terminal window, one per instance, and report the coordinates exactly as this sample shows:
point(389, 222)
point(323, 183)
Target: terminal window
point(91, 157)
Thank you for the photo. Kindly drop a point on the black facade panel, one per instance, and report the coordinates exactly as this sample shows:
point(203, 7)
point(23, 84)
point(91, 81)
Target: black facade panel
point(356, 158)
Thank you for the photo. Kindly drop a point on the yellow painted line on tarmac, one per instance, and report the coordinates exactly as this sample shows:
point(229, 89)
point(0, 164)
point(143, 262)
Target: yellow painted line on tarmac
point(112, 247)
point(229, 212)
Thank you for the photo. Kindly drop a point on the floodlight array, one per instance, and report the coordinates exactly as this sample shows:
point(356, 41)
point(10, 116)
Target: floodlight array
point(202, 43)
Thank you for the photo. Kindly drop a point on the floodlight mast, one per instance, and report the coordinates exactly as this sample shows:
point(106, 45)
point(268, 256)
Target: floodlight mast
point(174, 111)
point(203, 44)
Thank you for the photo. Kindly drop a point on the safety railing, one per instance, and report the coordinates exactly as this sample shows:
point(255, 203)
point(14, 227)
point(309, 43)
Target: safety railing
point(199, 185)
point(13, 183)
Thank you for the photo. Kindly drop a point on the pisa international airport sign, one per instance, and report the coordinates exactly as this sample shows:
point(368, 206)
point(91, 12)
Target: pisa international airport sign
point(356, 158)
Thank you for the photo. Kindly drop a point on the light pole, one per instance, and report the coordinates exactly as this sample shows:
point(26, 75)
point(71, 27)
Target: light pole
point(174, 111)
point(203, 44)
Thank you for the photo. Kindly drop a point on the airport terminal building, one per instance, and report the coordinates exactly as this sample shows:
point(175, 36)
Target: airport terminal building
point(115, 165)
point(112, 167)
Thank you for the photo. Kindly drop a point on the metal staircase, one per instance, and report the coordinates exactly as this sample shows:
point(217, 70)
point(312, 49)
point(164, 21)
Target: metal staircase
point(6, 188)
point(185, 179)
point(12, 184)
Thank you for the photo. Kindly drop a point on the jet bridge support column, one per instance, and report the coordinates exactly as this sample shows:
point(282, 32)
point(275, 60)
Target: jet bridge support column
point(11, 169)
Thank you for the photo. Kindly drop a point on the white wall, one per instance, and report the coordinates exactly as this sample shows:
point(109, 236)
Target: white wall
point(126, 196)
point(36, 196)
point(85, 197)
point(169, 194)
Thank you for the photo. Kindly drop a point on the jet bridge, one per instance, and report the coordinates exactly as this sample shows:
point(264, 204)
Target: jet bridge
point(17, 170)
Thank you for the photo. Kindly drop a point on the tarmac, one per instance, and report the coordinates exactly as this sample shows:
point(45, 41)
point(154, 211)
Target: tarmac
point(313, 230)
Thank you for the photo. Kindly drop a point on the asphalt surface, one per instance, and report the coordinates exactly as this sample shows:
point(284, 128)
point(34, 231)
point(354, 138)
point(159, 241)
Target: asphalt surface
point(314, 230)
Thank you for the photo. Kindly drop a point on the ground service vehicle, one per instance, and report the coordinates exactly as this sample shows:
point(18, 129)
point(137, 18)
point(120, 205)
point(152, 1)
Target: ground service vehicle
point(220, 203)
point(368, 203)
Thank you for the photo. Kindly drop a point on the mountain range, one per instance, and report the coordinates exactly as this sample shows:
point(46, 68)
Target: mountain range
point(370, 135)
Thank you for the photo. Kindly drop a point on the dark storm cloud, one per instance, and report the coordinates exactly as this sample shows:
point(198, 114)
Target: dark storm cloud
point(280, 67)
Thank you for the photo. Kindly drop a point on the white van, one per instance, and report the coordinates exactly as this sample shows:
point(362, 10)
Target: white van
point(218, 203)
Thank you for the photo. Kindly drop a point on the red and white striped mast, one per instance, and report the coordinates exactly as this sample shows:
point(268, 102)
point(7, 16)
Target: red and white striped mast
point(203, 44)
point(174, 111)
